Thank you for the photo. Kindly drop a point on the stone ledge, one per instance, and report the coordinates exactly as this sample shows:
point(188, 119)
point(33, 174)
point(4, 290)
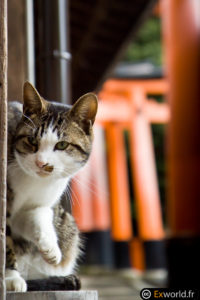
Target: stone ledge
point(64, 295)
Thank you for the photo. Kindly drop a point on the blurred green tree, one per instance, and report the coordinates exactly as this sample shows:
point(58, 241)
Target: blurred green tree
point(147, 43)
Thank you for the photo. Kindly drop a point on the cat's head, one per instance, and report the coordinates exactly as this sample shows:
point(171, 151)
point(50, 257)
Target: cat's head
point(52, 139)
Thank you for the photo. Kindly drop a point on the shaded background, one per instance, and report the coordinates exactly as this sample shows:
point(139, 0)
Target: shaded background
point(93, 43)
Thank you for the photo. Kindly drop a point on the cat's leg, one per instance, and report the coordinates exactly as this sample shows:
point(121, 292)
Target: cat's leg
point(70, 245)
point(61, 276)
point(36, 225)
point(14, 281)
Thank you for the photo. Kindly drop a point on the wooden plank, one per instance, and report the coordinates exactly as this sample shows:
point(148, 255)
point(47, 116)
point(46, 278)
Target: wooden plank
point(69, 295)
point(3, 140)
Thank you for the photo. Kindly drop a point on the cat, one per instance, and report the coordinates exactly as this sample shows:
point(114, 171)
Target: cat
point(48, 143)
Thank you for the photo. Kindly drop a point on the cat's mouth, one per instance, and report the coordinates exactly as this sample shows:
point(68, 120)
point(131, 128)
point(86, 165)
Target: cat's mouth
point(43, 173)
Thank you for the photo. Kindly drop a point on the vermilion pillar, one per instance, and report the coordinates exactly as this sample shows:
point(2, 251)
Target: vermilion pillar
point(144, 172)
point(118, 178)
point(181, 20)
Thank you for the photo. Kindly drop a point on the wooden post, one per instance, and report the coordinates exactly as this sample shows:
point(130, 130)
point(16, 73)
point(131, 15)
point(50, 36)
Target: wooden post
point(182, 46)
point(3, 140)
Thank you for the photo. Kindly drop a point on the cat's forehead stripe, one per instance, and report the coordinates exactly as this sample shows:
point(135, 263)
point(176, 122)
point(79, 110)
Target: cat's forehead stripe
point(57, 124)
point(49, 137)
point(52, 121)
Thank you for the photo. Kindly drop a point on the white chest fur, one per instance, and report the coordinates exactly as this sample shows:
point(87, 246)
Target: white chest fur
point(32, 214)
point(32, 219)
point(30, 192)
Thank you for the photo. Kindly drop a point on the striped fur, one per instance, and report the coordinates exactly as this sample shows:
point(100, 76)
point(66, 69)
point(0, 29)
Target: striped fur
point(47, 144)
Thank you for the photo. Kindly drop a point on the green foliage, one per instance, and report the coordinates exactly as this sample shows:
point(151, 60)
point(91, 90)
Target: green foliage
point(147, 43)
point(158, 132)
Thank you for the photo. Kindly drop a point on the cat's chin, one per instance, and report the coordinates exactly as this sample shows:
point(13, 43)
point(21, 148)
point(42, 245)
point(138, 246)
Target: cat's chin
point(43, 174)
point(52, 176)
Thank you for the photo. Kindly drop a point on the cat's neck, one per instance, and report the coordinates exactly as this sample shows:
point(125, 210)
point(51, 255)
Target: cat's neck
point(33, 192)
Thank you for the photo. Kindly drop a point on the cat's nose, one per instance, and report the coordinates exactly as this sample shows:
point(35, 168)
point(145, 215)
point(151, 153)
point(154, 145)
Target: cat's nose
point(44, 166)
point(40, 164)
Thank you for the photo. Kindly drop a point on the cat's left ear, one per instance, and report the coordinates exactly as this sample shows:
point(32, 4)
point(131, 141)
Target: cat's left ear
point(33, 102)
point(85, 109)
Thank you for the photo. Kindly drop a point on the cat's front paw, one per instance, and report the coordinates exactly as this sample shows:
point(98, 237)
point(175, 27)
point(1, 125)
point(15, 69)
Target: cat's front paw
point(14, 282)
point(51, 253)
point(53, 256)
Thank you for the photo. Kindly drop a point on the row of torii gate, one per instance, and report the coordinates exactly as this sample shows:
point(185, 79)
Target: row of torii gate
point(124, 104)
point(101, 190)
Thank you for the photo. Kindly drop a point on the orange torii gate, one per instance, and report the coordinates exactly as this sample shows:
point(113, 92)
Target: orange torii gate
point(123, 105)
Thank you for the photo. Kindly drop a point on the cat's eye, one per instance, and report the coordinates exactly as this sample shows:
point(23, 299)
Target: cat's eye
point(33, 141)
point(61, 145)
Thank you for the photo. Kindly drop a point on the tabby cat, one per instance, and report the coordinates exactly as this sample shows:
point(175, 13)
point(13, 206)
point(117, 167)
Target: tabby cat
point(48, 143)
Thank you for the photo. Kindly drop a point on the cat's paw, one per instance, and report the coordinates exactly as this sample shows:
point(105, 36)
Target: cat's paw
point(16, 285)
point(14, 282)
point(51, 253)
point(53, 256)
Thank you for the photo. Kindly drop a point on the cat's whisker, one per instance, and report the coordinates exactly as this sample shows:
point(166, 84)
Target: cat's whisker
point(12, 161)
point(74, 196)
point(29, 120)
point(94, 190)
point(12, 164)
point(68, 196)
point(28, 125)
point(88, 181)
point(88, 184)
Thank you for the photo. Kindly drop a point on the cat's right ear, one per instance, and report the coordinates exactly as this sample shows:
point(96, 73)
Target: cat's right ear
point(33, 102)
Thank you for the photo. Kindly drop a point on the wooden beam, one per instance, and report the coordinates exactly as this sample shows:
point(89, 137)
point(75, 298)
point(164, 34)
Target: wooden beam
point(3, 140)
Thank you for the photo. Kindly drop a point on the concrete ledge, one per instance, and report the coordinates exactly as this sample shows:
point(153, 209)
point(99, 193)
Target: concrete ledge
point(68, 295)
